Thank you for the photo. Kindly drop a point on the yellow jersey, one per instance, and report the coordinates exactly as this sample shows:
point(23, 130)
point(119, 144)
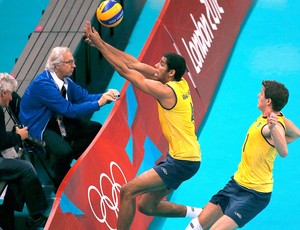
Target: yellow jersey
point(255, 170)
point(178, 124)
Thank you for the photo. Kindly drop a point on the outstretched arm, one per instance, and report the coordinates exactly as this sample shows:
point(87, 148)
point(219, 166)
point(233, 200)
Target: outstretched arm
point(133, 63)
point(130, 61)
point(155, 88)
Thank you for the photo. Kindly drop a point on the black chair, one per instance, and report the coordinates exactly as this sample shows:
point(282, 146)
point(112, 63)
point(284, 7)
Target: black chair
point(6, 210)
point(33, 149)
point(3, 185)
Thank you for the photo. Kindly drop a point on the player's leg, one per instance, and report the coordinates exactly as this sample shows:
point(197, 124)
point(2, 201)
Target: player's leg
point(224, 223)
point(172, 173)
point(210, 214)
point(146, 182)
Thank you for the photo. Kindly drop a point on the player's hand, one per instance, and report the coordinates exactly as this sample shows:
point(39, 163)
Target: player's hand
point(90, 33)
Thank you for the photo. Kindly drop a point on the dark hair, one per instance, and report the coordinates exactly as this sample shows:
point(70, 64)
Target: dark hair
point(177, 63)
point(277, 92)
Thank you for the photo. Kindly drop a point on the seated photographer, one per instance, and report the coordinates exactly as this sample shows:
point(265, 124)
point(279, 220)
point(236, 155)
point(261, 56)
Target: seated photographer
point(20, 175)
point(53, 107)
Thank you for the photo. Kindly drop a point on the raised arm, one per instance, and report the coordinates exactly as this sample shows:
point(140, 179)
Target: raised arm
point(135, 74)
point(133, 63)
point(292, 131)
point(130, 61)
point(275, 134)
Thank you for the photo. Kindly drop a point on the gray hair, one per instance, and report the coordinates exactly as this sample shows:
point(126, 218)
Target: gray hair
point(7, 83)
point(55, 57)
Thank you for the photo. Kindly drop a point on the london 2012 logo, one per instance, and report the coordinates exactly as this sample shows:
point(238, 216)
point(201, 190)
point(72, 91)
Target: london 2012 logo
point(108, 192)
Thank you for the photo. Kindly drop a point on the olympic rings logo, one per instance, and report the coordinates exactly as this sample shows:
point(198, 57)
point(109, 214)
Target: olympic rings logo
point(107, 202)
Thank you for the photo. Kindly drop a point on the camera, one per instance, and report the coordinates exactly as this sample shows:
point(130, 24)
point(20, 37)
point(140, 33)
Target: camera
point(34, 142)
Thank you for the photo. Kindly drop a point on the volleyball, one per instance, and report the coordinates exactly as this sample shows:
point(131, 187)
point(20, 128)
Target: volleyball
point(109, 13)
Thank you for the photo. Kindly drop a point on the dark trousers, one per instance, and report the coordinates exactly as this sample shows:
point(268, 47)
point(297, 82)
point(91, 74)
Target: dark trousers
point(7, 218)
point(23, 186)
point(61, 151)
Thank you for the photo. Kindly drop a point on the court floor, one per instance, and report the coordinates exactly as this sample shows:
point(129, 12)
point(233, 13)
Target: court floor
point(268, 47)
point(18, 20)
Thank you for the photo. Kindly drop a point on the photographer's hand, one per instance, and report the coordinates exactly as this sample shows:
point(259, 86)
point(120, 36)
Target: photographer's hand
point(23, 132)
point(108, 97)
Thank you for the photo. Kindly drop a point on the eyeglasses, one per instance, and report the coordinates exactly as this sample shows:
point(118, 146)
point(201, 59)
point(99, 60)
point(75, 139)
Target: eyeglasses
point(70, 62)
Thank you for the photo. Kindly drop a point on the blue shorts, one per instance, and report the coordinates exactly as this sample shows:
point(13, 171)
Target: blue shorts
point(173, 172)
point(239, 203)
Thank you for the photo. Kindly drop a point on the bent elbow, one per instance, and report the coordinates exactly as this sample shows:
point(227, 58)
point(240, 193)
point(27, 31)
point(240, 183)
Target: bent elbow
point(284, 154)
